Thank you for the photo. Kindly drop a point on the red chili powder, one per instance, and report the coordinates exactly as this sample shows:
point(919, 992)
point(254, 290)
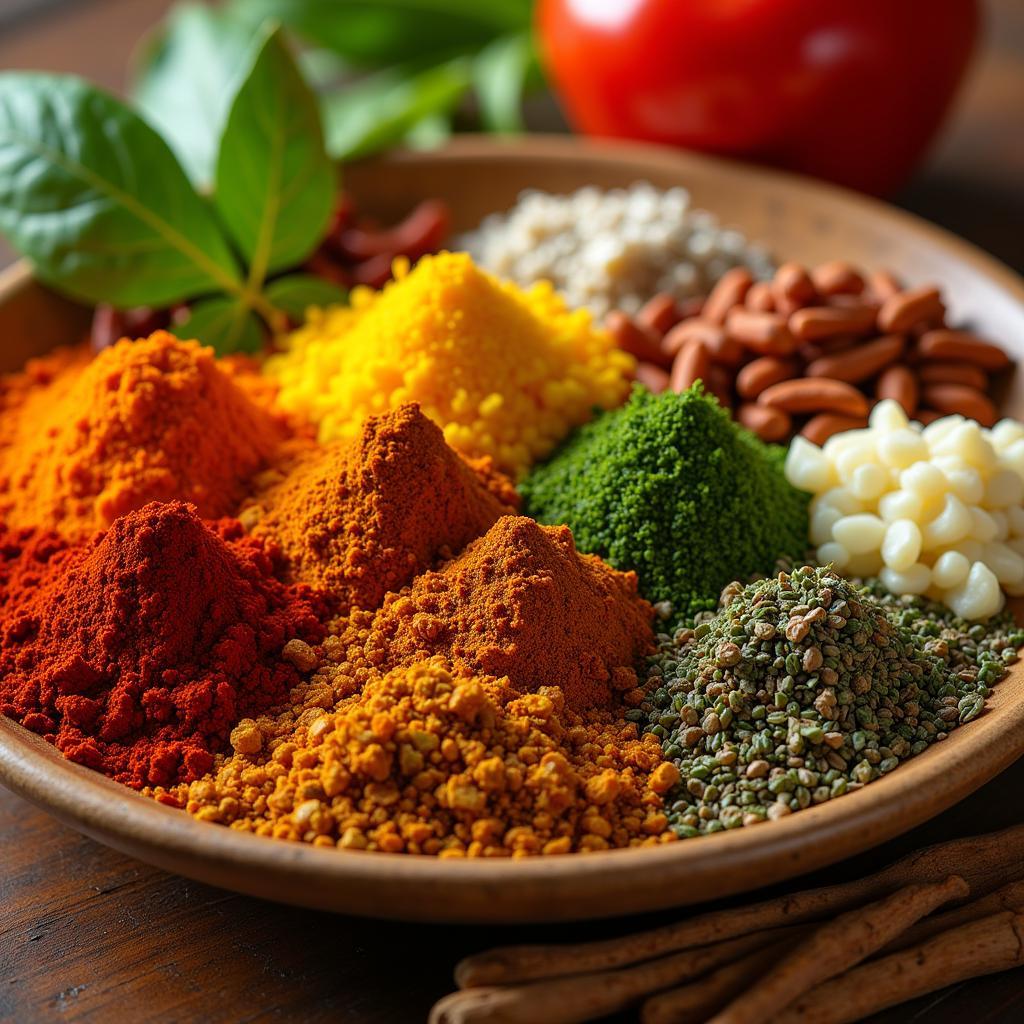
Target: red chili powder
point(137, 653)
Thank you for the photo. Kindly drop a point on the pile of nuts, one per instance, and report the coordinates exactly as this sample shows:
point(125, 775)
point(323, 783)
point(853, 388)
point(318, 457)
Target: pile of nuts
point(811, 352)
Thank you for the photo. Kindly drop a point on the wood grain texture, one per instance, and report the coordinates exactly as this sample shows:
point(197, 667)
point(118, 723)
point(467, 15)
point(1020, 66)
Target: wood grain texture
point(89, 935)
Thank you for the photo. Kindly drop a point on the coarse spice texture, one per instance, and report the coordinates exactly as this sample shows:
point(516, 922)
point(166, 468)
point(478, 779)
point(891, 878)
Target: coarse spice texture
point(136, 653)
point(520, 603)
point(504, 372)
point(149, 420)
point(802, 688)
point(426, 761)
point(361, 518)
point(670, 487)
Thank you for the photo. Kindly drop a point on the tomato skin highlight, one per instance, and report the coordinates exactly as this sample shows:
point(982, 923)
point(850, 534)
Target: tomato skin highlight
point(848, 90)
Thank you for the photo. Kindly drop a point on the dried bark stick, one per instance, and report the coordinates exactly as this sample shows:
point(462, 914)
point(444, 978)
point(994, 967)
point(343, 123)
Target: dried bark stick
point(1010, 897)
point(993, 944)
point(836, 947)
point(584, 997)
point(985, 862)
point(695, 1003)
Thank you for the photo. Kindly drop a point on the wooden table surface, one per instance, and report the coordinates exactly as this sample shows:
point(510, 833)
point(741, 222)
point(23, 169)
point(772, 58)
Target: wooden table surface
point(89, 935)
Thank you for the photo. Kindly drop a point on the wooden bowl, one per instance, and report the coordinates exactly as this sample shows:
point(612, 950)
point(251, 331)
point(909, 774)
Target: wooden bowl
point(798, 219)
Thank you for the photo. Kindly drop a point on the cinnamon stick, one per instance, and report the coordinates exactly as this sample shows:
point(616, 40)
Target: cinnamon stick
point(695, 1003)
point(984, 862)
point(1010, 897)
point(584, 997)
point(987, 946)
point(837, 946)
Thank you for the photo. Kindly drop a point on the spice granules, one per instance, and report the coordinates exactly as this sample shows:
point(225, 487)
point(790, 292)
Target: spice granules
point(424, 761)
point(361, 518)
point(504, 372)
point(150, 420)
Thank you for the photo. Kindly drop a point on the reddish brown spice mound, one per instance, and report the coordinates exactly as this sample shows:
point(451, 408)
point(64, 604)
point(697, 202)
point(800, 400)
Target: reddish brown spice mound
point(521, 602)
point(151, 420)
point(137, 653)
point(361, 518)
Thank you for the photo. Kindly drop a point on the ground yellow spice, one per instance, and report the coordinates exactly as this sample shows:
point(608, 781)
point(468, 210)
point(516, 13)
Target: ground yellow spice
point(425, 761)
point(504, 372)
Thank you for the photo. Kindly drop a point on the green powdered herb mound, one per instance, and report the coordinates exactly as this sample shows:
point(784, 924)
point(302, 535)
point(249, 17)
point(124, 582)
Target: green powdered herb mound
point(669, 486)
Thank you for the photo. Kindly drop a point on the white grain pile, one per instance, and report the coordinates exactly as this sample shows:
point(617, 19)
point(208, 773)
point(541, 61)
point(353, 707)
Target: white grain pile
point(612, 250)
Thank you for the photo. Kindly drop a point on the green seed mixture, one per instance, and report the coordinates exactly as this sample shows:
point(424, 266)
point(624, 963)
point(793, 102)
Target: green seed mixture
point(806, 686)
point(669, 486)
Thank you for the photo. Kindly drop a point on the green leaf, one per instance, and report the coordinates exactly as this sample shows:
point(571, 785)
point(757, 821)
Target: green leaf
point(500, 72)
point(184, 79)
point(95, 198)
point(228, 325)
point(295, 293)
point(378, 33)
point(383, 109)
point(275, 184)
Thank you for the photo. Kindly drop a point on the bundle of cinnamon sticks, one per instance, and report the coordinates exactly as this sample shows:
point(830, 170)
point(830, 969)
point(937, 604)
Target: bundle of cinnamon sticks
point(823, 956)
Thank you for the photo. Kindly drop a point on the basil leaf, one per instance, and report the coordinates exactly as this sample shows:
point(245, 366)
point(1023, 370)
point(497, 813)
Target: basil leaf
point(275, 183)
point(295, 293)
point(229, 325)
point(377, 33)
point(500, 72)
point(95, 198)
point(383, 109)
point(185, 73)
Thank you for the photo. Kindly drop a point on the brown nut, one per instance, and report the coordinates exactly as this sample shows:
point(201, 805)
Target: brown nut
point(730, 291)
point(690, 365)
point(953, 373)
point(654, 378)
point(957, 398)
point(818, 429)
point(763, 333)
point(759, 298)
point(659, 314)
point(883, 285)
point(640, 342)
point(817, 322)
point(762, 373)
point(962, 347)
point(901, 312)
point(900, 384)
point(815, 394)
point(837, 277)
point(811, 350)
point(926, 416)
point(792, 288)
point(719, 384)
point(861, 362)
point(694, 329)
point(769, 424)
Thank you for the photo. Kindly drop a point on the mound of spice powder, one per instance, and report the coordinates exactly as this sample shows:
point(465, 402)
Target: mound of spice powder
point(151, 420)
point(522, 603)
point(361, 518)
point(669, 486)
point(424, 761)
point(801, 689)
point(137, 653)
point(504, 372)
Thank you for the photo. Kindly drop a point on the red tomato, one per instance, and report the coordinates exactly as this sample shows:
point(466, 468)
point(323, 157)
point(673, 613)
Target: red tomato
point(850, 90)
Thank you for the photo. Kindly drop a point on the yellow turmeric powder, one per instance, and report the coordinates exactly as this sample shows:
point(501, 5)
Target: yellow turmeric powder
point(504, 372)
point(423, 761)
point(151, 420)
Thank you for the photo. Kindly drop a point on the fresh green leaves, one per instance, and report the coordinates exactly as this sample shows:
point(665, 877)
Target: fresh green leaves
point(500, 74)
point(275, 184)
point(295, 293)
point(187, 73)
point(95, 198)
point(99, 203)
